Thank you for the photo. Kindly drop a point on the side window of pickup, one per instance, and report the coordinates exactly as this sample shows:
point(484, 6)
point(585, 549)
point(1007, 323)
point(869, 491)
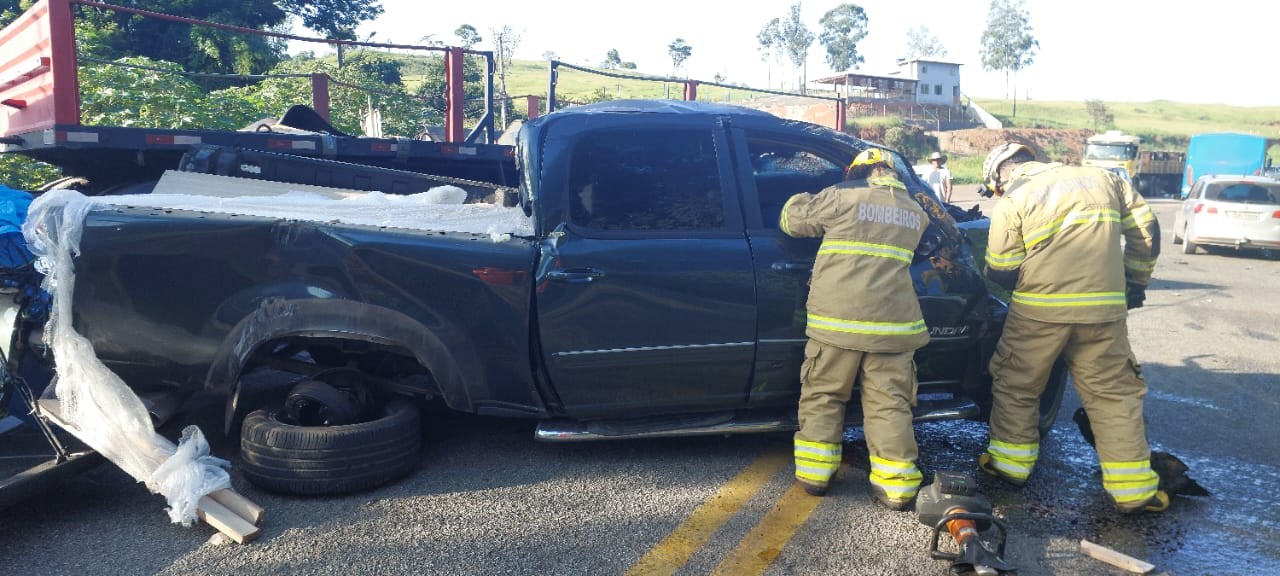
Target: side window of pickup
point(782, 170)
point(646, 180)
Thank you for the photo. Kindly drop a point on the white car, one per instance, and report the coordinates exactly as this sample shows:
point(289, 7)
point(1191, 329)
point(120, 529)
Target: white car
point(1231, 211)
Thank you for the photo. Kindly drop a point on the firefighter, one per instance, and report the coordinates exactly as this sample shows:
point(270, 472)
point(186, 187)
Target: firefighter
point(864, 324)
point(1055, 242)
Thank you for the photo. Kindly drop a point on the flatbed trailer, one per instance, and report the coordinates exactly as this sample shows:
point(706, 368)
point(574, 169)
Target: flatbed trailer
point(111, 156)
point(40, 117)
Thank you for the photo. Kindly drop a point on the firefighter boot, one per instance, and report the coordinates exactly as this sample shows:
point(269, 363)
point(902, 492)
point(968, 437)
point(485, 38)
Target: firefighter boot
point(813, 489)
point(1157, 503)
point(895, 504)
point(985, 463)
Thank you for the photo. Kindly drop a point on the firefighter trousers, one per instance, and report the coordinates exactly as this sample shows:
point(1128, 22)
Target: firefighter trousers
point(888, 392)
point(1108, 380)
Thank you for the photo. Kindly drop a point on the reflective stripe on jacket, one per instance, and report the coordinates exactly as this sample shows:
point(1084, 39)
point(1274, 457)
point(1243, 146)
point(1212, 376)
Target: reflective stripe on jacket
point(861, 296)
point(1058, 230)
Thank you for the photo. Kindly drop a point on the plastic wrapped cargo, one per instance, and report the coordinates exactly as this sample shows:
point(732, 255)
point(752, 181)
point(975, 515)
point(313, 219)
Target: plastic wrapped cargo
point(97, 406)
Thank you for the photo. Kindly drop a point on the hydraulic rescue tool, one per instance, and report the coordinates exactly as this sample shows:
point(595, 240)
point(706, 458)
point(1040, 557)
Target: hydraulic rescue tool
point(952, 503)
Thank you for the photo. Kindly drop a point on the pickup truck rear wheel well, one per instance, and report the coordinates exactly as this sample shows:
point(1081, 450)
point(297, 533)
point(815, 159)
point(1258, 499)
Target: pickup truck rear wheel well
point(384, 370)
point(350, 326)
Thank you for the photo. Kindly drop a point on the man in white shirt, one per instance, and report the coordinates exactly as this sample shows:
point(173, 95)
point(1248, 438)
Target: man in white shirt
point(940, 177)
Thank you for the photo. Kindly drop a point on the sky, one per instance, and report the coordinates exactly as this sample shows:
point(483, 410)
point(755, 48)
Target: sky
point(1116, 50)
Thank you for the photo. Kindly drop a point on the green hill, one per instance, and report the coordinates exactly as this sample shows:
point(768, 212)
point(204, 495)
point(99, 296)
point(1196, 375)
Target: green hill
point(1157, 120)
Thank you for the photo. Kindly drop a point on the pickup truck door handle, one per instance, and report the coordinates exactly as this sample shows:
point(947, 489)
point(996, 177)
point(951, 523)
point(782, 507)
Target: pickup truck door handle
point(792, 266)
point(575, 275)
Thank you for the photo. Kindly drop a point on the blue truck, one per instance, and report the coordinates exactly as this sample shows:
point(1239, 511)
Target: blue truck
point(1223, 153)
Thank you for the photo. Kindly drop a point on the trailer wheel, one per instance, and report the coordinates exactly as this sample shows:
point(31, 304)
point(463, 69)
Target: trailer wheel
point(310, 460)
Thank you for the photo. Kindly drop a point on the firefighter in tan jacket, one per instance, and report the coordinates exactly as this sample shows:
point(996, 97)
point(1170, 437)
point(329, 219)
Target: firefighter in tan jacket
point(864, 324)
point(1055, 242)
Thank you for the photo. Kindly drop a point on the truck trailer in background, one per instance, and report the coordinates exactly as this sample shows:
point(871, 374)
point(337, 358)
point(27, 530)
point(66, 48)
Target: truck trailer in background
point(1223, 153)
point(1153, 173)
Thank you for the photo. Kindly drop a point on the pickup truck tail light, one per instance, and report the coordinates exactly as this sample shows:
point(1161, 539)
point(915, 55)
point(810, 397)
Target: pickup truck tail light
point(1275, 214)
point(1207, 209)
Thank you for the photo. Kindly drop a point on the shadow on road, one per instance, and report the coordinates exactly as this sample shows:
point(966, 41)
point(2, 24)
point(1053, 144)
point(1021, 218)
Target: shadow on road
point(1162, 284)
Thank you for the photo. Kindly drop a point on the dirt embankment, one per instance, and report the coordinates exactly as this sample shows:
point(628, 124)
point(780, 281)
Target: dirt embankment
point(1055, 145)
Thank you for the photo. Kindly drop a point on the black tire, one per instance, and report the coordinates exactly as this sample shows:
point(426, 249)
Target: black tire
point(313, 460)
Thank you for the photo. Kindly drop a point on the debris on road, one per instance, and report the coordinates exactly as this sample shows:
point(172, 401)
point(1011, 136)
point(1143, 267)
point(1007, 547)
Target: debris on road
point(1123, 561)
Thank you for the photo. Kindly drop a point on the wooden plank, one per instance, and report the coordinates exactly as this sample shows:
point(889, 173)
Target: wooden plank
point(1126, 562)
point(51, 410)
point(226, 521)
point(243, 507)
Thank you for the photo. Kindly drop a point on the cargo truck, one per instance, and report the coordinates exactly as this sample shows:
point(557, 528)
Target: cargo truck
point(1224, 154)
point(1153, 173)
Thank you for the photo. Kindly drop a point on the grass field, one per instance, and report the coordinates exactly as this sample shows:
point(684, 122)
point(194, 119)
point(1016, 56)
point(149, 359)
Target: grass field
point(1160, 118)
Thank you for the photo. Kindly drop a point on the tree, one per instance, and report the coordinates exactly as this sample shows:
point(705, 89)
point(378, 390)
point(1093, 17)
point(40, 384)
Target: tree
point(505, 41)
point(679, 52)
point(110, 35)
point(468, 35)
point(796, 40)
point(1007, 43)
point(922, 44)
point(771, 42)
point(1101, 116)
point(336, 19)
point(842, 28)
point(612, 60)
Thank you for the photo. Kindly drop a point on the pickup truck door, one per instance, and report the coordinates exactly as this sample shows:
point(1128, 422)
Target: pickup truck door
point(645, 294)
point(771, 168)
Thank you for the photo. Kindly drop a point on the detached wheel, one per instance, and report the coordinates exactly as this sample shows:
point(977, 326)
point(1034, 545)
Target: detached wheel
point(313, 460)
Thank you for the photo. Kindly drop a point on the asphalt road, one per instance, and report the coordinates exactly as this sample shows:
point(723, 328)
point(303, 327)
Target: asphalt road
point(487, 499)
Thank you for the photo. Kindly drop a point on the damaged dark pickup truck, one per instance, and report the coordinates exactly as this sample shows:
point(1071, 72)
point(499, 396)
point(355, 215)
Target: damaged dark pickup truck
point(655, 296)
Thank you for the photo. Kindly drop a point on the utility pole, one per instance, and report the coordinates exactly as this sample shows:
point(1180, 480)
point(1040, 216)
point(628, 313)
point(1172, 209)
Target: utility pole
point(502, 77)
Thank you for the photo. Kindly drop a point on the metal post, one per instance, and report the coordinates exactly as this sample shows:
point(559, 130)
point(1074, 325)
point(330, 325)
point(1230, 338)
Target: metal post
point(454, 103)
point(534, 104)
point(488, 98)
point(62, 52)
point(320, 94)
point(552, 67)
point(691, 90)
point(840, 115)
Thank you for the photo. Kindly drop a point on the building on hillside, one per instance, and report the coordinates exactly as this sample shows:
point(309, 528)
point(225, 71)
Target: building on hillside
point(937, 82)
point(918, 81)
point(859, 86)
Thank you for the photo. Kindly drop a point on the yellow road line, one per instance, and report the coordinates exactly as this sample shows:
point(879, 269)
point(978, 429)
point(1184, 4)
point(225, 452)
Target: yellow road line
point(694, 533)
point(762, 545)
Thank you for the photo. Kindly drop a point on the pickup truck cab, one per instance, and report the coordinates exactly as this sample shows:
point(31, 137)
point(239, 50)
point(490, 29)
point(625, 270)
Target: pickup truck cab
point(655, 296)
